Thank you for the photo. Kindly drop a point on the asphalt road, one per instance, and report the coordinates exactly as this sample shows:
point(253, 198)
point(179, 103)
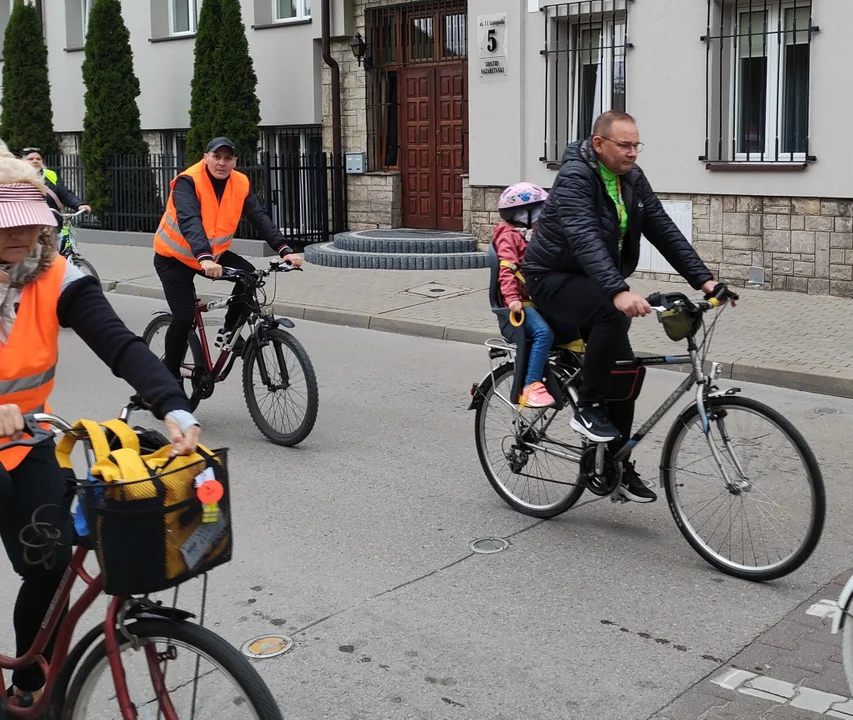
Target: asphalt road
point(356, 544)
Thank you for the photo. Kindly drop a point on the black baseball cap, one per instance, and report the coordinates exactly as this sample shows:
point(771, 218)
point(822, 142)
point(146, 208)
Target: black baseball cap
point(220, 142)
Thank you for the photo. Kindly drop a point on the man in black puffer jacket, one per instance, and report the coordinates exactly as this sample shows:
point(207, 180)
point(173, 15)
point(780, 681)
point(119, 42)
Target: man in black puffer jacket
point(587, 242)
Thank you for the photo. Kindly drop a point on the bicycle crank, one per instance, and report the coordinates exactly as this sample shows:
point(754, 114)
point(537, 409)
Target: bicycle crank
point(202, 382)
point(602, 480)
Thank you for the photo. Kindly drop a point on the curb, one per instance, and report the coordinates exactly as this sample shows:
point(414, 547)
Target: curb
point(777, 377)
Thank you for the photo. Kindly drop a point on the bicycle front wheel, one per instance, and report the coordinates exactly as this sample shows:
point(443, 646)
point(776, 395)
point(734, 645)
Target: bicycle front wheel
point(767, 521)
point(154, 337)
point(85, 267)
point(284, 405)
point(180, 671)
point(525, 455)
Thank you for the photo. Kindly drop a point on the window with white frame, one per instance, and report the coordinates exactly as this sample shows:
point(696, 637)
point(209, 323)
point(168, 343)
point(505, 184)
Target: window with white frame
point(585, 51)
point(757, 80)
point(85, 9)
point(183, 16)
point(290, 10)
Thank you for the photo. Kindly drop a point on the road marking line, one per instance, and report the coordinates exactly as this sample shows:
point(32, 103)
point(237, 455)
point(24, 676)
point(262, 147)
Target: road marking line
point(823, 608)
point(733, 678)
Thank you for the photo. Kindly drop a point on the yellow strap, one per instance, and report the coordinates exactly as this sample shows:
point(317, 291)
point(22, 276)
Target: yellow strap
point(528, 304)
point(125, 433)
point(100, 444)
point(515, 271)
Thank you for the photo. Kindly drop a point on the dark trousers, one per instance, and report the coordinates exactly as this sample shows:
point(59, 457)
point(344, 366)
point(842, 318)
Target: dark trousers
point(179, 288)
point(577, 300)
point(37, 481)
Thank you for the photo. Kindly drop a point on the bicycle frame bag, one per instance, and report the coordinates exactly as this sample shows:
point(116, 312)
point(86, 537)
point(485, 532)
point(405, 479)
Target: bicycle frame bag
point(148, 526)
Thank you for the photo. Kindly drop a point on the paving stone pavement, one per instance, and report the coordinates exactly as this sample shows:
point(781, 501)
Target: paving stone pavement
point(793, 670)
point(804, 342)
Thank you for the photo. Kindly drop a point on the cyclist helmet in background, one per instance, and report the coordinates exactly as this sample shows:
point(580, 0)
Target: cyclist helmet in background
point(520, 204)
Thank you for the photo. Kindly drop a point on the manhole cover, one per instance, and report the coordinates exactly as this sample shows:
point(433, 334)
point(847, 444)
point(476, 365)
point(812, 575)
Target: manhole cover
point(433, 290)
point(485, 546)
point(266, 646)
point(745, 441)
point(826, 411)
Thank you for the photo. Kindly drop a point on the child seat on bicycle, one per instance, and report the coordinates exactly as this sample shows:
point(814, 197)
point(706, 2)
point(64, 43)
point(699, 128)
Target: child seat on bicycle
point(519, 206)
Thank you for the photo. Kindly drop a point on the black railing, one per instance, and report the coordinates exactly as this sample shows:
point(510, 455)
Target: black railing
point(296, 190)
point(757, 68)
point(585, 53)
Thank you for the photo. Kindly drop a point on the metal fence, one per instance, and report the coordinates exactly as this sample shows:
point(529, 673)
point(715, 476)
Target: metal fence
point(297, 191)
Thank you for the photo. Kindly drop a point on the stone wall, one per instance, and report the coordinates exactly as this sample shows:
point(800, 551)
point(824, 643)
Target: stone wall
point(801, 244)
point(375, 201)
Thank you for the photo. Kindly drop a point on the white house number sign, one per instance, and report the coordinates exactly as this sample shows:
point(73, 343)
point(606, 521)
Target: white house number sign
point(491, 35)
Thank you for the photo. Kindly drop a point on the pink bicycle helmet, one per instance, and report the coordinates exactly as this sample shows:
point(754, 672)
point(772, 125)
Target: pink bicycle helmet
point(519, 204)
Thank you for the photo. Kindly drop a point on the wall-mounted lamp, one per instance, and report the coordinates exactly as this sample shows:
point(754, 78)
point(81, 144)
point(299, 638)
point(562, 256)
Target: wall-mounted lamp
point(358, 47)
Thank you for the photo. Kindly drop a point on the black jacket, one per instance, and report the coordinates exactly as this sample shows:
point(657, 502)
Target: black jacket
point(578, 230)
point(58, 191)
point(188, 210)
point(83, 308)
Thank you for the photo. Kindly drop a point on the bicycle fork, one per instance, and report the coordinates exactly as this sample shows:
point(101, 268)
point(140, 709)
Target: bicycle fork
point(261, 341)
point(734, 486)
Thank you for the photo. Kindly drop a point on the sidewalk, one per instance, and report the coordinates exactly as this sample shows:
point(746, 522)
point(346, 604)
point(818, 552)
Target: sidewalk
point(793, 670)
point(778, 338)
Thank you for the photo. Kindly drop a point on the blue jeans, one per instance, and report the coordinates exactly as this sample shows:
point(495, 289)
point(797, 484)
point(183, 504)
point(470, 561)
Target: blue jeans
point(542, 338)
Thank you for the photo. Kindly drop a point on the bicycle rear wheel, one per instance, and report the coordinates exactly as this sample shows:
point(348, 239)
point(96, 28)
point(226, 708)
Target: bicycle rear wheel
point(285, 409)
point(524, 474)
point(203, 677)
point(769, 524)
point(154, 337)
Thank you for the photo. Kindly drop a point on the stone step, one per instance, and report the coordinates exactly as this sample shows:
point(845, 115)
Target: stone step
point(328, 255)
point(404, 242)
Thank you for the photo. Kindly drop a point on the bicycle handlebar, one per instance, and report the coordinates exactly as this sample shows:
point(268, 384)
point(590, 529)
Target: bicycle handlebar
point(233, 274)
point(38, 434)
point(719, 297)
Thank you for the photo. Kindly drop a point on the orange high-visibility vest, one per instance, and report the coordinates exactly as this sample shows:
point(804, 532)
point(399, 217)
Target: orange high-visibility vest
point(220, 219)
point(28, 359)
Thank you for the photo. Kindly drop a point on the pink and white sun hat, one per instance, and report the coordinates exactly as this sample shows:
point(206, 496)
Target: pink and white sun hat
point(23, 204)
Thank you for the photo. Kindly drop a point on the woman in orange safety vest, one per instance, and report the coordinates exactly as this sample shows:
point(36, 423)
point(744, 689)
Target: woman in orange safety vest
point(39, 293)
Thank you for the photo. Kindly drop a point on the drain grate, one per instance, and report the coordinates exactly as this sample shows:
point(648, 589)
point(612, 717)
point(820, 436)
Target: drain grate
point(487, 546)
point(437, 290)
point(266, 646)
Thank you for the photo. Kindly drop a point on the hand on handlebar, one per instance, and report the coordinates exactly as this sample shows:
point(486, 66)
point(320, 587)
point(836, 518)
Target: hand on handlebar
point(720, 292)
point(183, 443)
point(211, 269)
point(293, 259)
point(84, 208)
point(632, 304)
point(11, 422)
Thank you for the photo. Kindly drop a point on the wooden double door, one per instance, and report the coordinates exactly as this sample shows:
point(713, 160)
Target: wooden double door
point(434, 145)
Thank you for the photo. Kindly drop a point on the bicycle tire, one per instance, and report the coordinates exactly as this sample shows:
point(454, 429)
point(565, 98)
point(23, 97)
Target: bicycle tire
point(194, 344)
point(85, 267)
point(487, 389)
point(287, 439)
point(814, 476)
point(254, 689)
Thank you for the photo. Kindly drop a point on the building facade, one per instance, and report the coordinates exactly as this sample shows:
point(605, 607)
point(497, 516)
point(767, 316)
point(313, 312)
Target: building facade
point(283, 41)
point(742, 106)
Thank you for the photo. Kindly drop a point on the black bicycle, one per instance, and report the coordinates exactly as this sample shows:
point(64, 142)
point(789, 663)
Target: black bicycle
point(741, 482)
point(279, 383)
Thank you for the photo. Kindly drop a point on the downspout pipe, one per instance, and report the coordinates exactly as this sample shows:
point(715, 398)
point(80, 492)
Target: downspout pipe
point(337, 132)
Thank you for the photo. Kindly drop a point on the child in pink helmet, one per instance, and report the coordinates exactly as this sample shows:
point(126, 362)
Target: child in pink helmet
point(519, 206)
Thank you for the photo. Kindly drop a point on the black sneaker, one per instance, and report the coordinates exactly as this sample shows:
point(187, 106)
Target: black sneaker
point(591, 422)
point(223, 338)
point(633, 488)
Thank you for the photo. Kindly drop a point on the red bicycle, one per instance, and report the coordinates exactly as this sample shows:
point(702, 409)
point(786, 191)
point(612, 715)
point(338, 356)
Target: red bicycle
point(279, 382)
point(152, 661)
